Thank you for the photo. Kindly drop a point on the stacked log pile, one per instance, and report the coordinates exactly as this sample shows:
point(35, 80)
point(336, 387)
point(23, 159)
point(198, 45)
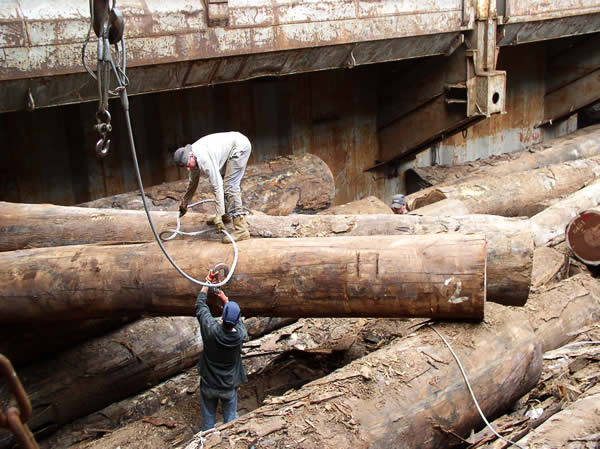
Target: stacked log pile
point(371, 382)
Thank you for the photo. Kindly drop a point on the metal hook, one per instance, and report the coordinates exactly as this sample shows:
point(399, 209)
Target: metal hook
point(102, 147)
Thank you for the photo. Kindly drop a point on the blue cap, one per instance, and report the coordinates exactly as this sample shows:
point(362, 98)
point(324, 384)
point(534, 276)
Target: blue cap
point(231, 313)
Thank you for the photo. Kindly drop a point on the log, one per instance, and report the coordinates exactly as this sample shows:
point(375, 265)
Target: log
point(565, 379)
point(553, 220)
point(368, 205)
point(558, 313)
point(101, 371)
point(25, 343)
point(581, 144)
point(409, 394)
point(510, 246)
point(281, 186)
point(517, 194)
point(401, 276)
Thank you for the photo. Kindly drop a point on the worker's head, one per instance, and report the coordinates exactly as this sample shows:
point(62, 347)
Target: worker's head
point(231, 314)
point(184, 157)
point(399, 205)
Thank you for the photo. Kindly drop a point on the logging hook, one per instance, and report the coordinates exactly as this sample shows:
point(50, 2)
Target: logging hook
point(215, 276)
point(16, 417)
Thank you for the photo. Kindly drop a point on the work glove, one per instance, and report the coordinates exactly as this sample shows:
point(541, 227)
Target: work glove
point(219, 223)
point(211, 276)
point(182, 209)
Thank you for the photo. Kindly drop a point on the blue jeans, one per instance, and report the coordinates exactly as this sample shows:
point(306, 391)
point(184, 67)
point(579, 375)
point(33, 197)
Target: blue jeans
point(209, 409)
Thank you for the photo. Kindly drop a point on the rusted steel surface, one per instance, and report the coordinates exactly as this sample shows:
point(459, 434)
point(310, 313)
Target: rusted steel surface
point(572, 77)
point(45, 38)
point(534, 10)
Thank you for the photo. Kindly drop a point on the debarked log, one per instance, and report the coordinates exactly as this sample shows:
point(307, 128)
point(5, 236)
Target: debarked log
point(510, 242)
point(553, 220)
point(276, 187)
point(441, 276)
point(580, 144)
point(518, 194)
point(410, 394)
point(103, 370)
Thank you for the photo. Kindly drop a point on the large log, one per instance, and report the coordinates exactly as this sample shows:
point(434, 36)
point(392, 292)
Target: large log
point(100, 371)
point(409, 394)
point(431, 275)
point(580, 144)
point(510, 245)
point(518, 194)
point(277, 187)
point(553, 220)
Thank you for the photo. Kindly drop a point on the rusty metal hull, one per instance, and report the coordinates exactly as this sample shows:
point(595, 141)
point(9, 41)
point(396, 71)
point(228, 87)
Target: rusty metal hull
point(174, 45)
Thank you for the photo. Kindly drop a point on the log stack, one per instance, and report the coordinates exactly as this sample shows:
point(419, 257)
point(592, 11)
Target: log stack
point(393, 383)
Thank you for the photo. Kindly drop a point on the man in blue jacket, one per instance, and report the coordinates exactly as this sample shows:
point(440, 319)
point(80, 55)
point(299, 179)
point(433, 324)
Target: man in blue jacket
point(220, 366)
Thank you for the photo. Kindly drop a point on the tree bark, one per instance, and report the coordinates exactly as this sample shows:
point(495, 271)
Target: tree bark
point(440, 276)
point(510, 244)
point(553, 220)
point(101, 371)
point(518, 194)
point(409, 394)
point(276, 187)
point(581, 144)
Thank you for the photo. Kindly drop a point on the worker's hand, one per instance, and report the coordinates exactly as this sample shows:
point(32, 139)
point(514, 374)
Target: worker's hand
point(219, 223)
point(222, 297)
point(182, 209)
point(211, 276)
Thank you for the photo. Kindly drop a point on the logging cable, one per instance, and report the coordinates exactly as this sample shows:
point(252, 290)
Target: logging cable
point(178, 231)
point(471, 390)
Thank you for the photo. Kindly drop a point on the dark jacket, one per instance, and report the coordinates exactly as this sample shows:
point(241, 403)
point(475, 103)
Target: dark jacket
point(220, 365)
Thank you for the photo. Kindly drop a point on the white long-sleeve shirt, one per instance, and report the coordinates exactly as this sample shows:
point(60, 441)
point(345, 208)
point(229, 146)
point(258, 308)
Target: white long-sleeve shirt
point(212, 153)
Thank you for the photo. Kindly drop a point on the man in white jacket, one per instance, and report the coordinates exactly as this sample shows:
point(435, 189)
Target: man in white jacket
point(223, 158)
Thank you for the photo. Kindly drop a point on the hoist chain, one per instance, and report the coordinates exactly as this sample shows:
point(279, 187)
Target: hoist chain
point(16, 417)
point(108, 25)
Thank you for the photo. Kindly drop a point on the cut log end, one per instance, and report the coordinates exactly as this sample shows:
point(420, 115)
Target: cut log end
point(583, 237)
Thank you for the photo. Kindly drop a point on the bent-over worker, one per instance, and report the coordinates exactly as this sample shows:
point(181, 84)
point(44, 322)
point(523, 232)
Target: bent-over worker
point(223, 158)
point(220, 367)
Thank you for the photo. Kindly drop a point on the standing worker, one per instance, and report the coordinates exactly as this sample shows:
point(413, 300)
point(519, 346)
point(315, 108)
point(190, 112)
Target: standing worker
point(399, 205)
point(223, 158)
point(220, 367)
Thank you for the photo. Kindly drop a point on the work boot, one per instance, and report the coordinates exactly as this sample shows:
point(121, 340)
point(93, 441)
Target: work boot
point(240, 230)
point(226, 219)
